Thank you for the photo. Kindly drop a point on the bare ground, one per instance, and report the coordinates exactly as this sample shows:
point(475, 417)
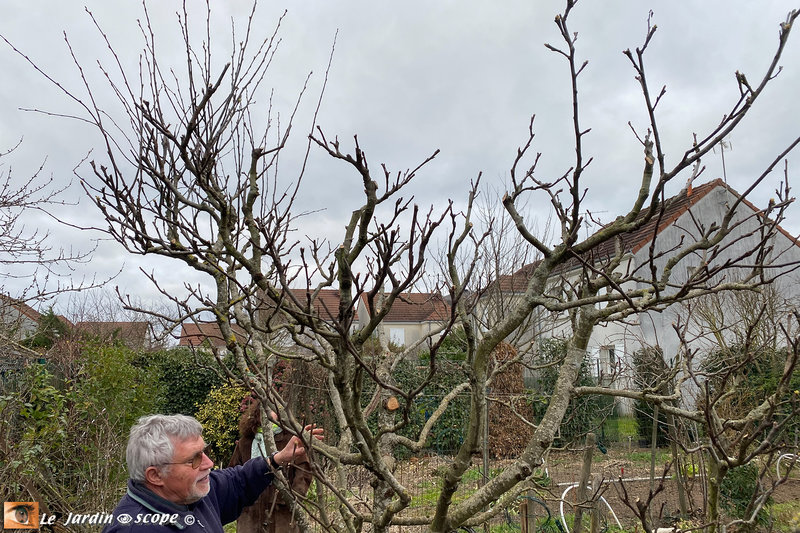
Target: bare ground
point(632, 464)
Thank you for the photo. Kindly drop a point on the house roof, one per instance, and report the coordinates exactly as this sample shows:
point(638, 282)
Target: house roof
point(516, 282)
point(635, 241)
point(416, 307)
point(408, 307)
point(325, 304)
point(23, 308)
point(673, 209)
point(196, 333)
point(132, 332)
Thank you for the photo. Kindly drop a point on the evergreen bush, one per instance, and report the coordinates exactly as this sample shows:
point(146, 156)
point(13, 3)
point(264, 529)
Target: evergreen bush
point(63, 442)
point(186, 378)
point(737, 490)
point(219, 414)
point(584, 413)
point(649, 368)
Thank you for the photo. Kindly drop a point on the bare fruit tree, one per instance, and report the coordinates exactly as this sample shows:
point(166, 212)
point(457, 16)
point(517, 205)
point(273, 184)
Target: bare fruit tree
point(744, 402)
point(194, 178)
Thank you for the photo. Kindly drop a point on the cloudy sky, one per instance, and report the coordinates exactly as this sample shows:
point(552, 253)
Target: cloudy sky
point(412, 77)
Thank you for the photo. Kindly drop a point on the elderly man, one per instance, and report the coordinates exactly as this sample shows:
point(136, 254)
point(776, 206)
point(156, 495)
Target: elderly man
point(172, 486)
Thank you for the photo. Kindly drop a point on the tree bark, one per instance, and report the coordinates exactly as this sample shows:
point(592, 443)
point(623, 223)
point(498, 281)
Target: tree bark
point(581, 498)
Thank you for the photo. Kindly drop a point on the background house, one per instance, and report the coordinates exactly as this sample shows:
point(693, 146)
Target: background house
point(207, 336)
point(26, 334)
point(684, 218)
point(413, 316)
point(136, 335)
point(18, 320)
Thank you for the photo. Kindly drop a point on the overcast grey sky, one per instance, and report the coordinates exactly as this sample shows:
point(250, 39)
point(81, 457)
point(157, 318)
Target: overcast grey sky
point(409, 78)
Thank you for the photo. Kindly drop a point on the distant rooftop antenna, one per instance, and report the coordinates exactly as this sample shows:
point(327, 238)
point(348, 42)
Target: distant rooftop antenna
point(724, 144)
point(589, 221)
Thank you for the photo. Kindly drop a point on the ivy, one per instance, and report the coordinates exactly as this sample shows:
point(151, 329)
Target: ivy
point(185, 378)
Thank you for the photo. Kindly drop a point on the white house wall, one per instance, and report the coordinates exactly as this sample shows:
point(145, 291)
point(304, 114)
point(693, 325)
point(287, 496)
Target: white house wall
point(657, 327)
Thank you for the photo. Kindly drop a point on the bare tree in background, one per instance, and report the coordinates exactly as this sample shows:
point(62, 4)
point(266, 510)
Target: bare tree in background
point(744, 405)
point(33, 267)
point(194, 178)
point(748, 408)
point(27, 255)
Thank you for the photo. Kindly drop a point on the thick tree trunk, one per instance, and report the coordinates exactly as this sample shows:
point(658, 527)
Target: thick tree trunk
point(716, 473)
point(543, 436)
point(586, 472)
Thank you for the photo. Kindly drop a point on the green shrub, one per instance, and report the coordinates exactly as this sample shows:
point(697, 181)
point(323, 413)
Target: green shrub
point(49, 330)
point(452, 348)
point(65, 440)
point(114, 373)
point(584, 413)
point(755, 375)
point(448, 434)
point(738, 488)
point(219, 413)
point(185, 377)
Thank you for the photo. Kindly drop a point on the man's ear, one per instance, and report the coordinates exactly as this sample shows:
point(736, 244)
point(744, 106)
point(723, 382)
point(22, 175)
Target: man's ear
point(154, 476)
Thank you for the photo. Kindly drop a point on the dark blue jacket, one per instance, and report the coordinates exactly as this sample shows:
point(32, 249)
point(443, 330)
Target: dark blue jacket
point(232, 489)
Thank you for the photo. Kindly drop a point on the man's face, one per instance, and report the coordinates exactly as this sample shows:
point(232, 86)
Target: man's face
point(183, 484)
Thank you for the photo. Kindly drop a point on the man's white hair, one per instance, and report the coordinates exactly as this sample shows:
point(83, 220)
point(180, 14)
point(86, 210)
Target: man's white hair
point(151, 441)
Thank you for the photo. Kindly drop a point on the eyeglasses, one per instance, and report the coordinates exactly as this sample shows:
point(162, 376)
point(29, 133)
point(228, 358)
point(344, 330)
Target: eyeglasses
point(195, 461)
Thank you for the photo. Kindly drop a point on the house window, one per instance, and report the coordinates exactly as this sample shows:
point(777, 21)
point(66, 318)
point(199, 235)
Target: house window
point(397, 336)
point(594, 362)
point(606, 362)
point(607, 353)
